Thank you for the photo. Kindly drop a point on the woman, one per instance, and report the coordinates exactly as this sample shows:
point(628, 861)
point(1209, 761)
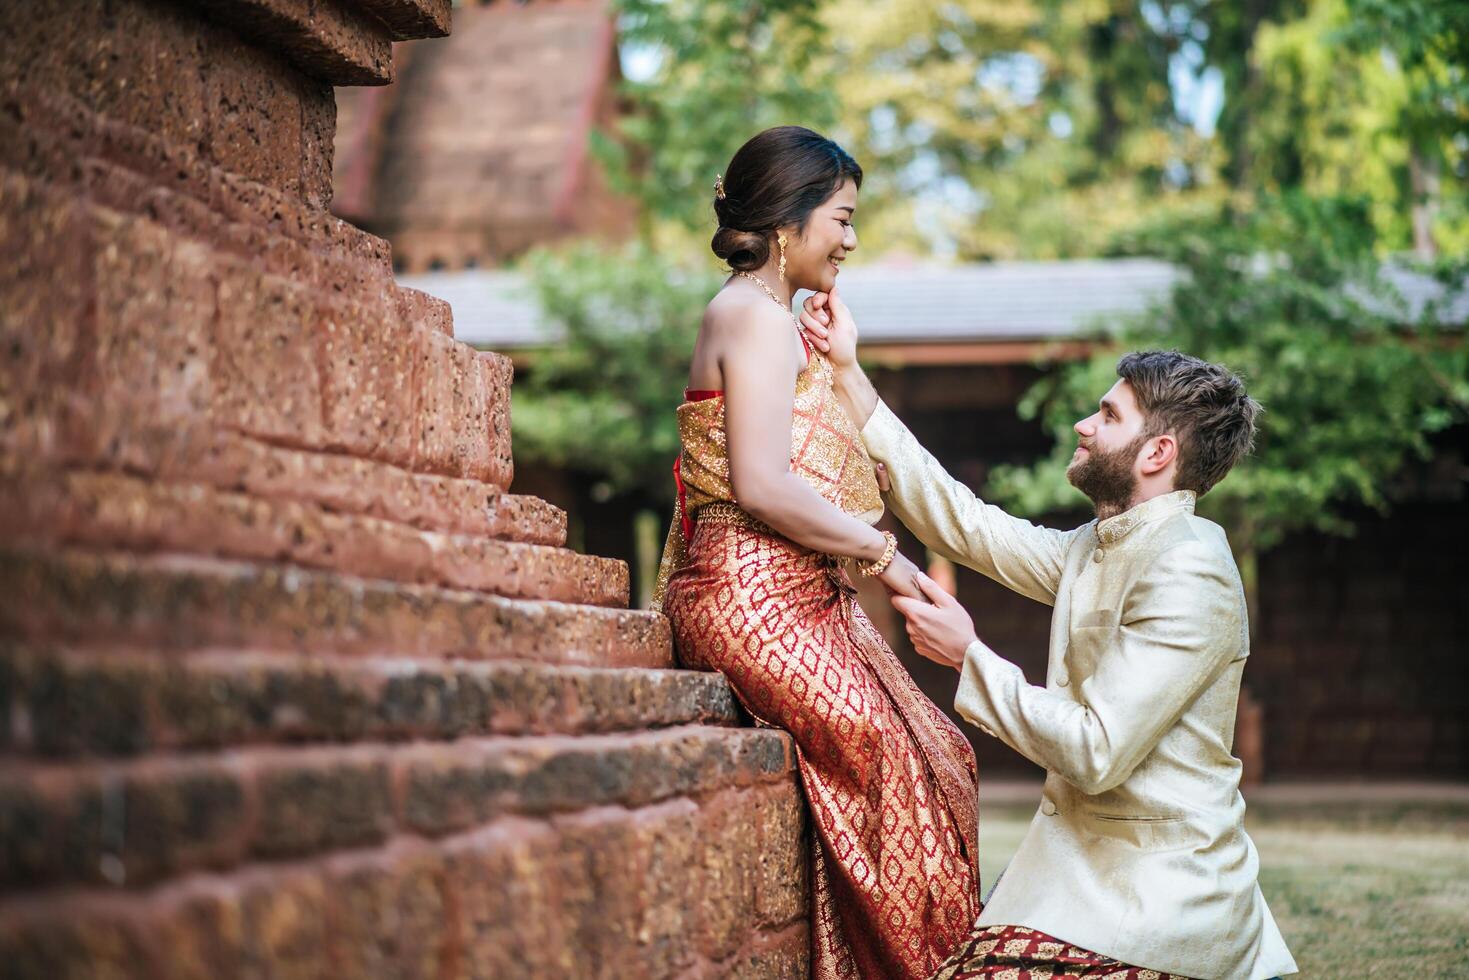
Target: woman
point(774, 490)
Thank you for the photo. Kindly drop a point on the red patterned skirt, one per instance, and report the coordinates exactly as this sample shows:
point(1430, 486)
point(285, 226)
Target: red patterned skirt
point(1017, 953)
point(889, 779)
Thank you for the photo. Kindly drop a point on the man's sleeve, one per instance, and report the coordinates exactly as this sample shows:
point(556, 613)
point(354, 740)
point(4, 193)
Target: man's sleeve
point(953, 522)
point(1181, 626)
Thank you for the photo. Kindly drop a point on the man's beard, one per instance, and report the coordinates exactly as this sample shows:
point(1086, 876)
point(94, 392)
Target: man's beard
point(1107, 477)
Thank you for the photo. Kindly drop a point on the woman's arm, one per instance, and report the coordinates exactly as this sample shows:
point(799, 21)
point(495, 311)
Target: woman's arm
point(759, 362)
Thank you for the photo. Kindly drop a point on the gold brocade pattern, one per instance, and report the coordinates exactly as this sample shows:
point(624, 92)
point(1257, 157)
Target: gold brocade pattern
point(890, 781)
point(826, 451)
point(1018, 953)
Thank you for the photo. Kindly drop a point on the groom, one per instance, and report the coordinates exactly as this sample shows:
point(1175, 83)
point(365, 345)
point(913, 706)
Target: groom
point(1137, 863)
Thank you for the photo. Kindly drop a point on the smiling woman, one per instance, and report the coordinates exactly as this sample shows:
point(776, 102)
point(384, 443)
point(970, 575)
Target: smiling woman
point(774, 491)
point(793, 191)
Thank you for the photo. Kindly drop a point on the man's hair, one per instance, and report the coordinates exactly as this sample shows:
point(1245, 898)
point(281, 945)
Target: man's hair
point(1204, 405)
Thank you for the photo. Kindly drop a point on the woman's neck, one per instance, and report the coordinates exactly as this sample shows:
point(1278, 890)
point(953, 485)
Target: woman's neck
point(784, 289)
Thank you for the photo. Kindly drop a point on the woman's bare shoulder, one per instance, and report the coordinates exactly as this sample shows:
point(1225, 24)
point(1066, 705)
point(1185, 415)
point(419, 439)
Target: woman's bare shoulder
point(738, 315)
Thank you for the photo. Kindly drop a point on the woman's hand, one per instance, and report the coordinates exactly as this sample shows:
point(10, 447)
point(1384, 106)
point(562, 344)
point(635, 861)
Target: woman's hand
point(828, 324)
point(901, 578)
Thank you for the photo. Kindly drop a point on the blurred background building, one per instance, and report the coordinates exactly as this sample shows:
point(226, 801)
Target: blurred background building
point(480, 149)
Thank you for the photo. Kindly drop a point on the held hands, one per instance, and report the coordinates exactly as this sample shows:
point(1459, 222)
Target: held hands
point(900, 578)
point(938, 626)
point(828, 324)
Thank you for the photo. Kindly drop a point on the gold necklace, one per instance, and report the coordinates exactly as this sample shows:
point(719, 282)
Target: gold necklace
point(771, 293)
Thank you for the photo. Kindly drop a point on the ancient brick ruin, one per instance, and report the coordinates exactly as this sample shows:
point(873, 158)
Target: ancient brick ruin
point(290, 683)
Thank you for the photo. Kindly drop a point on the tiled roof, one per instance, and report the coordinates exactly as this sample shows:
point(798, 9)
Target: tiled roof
point(902, 302)
point(480, 148)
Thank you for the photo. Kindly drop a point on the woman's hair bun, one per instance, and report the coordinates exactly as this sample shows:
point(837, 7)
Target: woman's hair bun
point(775, 181)
point(744, 251)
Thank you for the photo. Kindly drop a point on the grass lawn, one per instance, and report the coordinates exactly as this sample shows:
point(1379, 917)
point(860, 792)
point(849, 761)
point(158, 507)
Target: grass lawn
point(1358, 889)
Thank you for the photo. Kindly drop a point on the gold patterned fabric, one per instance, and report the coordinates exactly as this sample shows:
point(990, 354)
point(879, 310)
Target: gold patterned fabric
point(890, 781)
point(1018, 953)
point(825, 451)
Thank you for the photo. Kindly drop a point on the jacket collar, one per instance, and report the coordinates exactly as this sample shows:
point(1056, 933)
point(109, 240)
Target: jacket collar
point(1114, 529)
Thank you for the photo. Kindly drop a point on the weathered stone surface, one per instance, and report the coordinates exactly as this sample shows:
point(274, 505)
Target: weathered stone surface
point(785, 955)
point(113, 701)
point(178, 603)
point(387, 917)
point(327, 39)
point(139, 821)
point(45, 340)
point(51, 137)
point(106, 827)
point(590, 894)
point(345, 484)
point(411, 18)
point(463, 412)
point(368, 357)
point(118, 512)
point(418, 307)
point(263, 365)
point(322, 800)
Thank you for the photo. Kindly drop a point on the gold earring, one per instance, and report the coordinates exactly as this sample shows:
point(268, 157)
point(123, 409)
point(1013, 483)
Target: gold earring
point(782, 241)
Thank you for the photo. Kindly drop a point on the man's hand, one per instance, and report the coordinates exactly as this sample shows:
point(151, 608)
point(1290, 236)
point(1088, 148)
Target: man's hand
point(941, 631)
point(828, 324)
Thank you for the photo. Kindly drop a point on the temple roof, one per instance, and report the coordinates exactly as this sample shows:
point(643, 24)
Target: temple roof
point(480, 149)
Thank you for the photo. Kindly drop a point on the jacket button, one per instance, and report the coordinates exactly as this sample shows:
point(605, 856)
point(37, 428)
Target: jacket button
point(1064, 680)
point(1097, 555)
point(1048, 808)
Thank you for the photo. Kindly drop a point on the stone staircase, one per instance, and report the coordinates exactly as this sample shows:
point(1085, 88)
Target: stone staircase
point(291, 684)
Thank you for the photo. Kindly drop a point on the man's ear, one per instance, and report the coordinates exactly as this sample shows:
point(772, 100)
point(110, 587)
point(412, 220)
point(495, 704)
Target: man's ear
point(1159, 452)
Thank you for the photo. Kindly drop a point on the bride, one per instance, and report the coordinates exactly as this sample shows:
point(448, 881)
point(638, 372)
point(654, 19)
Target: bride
point(774, 491)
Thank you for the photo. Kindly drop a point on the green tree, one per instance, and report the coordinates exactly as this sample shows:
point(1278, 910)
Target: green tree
point(1292, 296)
point(1427, 43)
point(1348, 99)
point(601, 401)
point(1022, 129)
point(723, 72)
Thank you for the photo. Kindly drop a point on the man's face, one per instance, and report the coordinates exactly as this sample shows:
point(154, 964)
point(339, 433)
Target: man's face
point(1104, 466)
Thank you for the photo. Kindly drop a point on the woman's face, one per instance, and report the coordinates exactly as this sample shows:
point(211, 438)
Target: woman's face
point(814, 256)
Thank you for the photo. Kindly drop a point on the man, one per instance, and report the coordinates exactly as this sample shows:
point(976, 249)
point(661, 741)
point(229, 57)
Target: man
point(1137, 863)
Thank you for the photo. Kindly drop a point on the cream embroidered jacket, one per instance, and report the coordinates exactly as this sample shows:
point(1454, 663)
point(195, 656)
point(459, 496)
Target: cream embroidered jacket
point(1138, 850)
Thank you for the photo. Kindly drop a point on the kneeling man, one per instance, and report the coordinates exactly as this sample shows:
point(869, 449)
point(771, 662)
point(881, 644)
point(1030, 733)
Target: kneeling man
point(1137, 863)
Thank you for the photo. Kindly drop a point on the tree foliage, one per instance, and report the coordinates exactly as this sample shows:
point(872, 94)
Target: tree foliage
point(601, 401)
point(723, 72)
point(1017, 129)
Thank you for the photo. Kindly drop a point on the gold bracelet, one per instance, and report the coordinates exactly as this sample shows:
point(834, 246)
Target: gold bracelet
point(875, 568)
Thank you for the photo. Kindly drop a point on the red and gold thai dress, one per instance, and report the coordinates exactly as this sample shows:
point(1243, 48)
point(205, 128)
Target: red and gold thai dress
point(889, 779)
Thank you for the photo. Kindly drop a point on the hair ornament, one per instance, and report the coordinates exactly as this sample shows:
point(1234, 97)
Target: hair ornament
point(719, 187)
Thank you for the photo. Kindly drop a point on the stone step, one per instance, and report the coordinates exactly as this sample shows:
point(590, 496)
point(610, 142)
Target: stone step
point(213, 319)
point(110, 701)
point(135, 822)
point(707, 888)
point(175, 603)
point(345, 484)
point(112, 511)
point(409, 19)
